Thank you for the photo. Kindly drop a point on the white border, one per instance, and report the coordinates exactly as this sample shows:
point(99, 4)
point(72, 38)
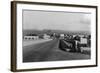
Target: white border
point(21, 65)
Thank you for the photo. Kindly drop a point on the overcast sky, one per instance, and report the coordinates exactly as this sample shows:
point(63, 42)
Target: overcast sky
point(67, 21)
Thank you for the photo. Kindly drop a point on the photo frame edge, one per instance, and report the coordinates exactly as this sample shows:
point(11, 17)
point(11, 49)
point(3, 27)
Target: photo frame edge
point(13, 36)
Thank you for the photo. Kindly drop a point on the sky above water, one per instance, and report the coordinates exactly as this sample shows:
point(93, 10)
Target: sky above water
point(67, 21)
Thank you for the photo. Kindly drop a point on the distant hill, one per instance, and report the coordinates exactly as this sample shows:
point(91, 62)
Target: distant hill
point(46, 31)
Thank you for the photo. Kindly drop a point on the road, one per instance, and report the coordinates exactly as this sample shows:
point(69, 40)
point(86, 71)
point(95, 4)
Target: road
point(33, 42)
point(49, 51)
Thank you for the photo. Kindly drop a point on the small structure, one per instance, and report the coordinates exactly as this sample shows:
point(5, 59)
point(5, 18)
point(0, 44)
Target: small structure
point(83, 40)
point(45, 36)
point(31, 37)
point(61, 36)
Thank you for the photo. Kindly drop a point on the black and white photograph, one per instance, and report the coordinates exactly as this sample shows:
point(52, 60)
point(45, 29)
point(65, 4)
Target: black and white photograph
point(52, 36)
point(55, 35)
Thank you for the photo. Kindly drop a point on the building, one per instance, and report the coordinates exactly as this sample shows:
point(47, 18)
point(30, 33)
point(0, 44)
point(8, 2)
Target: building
point(45, 36)
point(62, 36)
point(31, 37)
